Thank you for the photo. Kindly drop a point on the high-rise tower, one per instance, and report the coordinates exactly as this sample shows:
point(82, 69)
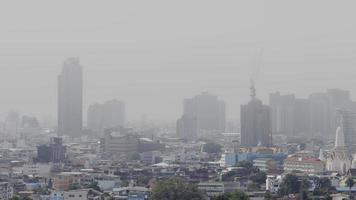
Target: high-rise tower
point(70, 98)
point(255, 122)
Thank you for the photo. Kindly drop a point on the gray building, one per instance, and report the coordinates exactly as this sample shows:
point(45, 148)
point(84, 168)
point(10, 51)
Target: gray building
point(255, 123)
point(348, 122)
point(282, 113)
point(107, 115)
point(324, 110)
point(205, 113)
point(289, 115)
point(70, 98)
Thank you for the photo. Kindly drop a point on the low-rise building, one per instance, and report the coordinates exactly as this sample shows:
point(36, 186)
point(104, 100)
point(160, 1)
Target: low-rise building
point(304, 164)
point(6, 191)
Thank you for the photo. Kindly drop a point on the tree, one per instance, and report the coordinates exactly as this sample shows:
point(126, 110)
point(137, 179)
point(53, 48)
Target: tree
point(350, 183)
point(176, 189)
point(289, 185)
point(237, 195)
point(212, 147)
point(323, 187)
point(259, 178)
point(20, 198)
point(304, 188)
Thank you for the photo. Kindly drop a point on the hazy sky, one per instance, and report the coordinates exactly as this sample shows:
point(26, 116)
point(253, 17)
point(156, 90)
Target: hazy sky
point(154, 53)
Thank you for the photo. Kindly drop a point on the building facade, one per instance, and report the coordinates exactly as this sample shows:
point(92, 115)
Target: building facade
point(255, 123)
point(70, 98)
point(203, 114)
point(110, 114)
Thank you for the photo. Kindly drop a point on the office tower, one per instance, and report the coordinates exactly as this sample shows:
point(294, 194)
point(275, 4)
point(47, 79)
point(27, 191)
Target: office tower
point(289, 115)
point(12, 124)
point(301, 116)
point(187, 128)
point(255, 123)
point(282, 113)
point(208, 112)
point(70, 98)
point(338, 100)
point(107, 115)
point(324, 110)
point(347, 120)
point(319, 114)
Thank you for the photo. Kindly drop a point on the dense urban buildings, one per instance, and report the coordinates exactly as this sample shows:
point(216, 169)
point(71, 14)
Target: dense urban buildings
point(255, 123)
point(203, 114)
point(70, 98)
point(54, 152)
point(110, 114)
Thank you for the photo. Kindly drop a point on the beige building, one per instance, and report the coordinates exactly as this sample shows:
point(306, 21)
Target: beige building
point(304, 164)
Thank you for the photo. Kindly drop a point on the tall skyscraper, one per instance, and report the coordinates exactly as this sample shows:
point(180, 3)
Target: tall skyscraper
point(204, 113)
point(282, 113)
point(289, 115)
point(70, 98)
point(347, 120)
point(255, 123)
point(110, 114)
point(324, 110)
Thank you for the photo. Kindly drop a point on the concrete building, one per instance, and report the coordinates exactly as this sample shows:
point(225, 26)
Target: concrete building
point(255, 123)
point(107, 115)
point(204, 113)
point(282, 113)
point(36, 170)
point(70, 195)
point(6, 191)
point(304, 164)
point(118, 143)
point(324, 110)
point(349, 127)
point(187, 128)
point(54, 152)
point(70, 98)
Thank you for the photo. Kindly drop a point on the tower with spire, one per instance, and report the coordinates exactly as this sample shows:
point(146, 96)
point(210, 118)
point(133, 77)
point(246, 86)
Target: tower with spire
point(339, 159)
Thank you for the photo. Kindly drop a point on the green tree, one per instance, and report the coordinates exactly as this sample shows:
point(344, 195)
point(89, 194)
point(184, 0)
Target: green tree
point(143, 180)
point(237, 195)
point(259, 178)
point(304, 188)
point(212, 147)
point(20, 198)
point(289, 185)
point(323, 187)
point(176, 189)
point(350, 183)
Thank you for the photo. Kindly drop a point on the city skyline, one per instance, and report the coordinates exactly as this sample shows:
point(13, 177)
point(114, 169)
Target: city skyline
point(175, 57)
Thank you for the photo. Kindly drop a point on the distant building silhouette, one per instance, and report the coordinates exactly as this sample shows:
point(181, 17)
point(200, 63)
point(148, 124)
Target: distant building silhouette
point(282, 113)
point(202, 114)
point(348, 122)
point(255, 123)
point(107, 115)
point(324, 110)
point(70, 98)
point(187, 127)
point(289, 115)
